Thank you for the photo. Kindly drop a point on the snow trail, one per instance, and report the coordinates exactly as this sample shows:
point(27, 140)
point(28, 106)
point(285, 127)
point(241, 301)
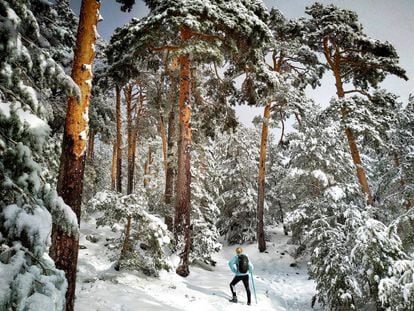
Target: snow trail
point(279, 286)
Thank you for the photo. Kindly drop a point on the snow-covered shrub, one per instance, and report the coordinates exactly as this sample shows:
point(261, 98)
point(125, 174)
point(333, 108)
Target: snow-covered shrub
point(330, 265)
point(396, 289)
point(149, 242)
point(358, 261)
point(375, 252)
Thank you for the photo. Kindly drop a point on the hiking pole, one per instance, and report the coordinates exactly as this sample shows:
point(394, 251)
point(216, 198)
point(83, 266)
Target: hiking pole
point(254, 287)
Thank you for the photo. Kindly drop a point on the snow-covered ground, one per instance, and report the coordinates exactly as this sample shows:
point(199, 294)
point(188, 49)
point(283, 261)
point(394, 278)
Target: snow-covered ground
point(278, 285)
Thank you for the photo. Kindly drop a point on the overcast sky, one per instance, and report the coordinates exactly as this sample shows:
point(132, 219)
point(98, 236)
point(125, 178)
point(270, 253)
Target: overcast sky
point(391, 20)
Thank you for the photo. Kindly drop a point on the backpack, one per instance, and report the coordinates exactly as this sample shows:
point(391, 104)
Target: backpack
point(243, 264)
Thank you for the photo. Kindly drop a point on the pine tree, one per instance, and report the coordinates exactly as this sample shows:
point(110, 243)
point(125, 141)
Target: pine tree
point(29, 205)
point(57, 27)
point(149, 247)
point(237, 155)
point(196, 31)
point(319, 178)
point(204, 197)
point(102, 127)
point(296, 68)
point(352, 57)
point(65, 248)
point(328, 213)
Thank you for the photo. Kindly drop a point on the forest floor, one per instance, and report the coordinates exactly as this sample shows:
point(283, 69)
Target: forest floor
point(279, 286)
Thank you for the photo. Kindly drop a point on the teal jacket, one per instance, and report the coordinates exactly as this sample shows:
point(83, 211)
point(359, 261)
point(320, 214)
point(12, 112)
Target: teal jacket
point(233, 266)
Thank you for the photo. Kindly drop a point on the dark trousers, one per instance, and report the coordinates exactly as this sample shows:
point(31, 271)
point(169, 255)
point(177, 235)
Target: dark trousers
point(245, 279)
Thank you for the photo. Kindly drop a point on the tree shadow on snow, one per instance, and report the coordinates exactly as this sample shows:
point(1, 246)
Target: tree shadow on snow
point(210, 292)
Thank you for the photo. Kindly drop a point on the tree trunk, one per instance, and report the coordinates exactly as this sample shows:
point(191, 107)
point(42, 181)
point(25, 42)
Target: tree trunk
point(64, 249)
point(147, 168)
point(360, 171)
point(182, 209)
point(91, 145)
point(118, 140)
point(113, 170)
point(261, 180)
point(125, 244)
point(169, 177)
point(131, 160)
point(131, 140)
point(362, 178)
point(132, 147)
point(164, 144)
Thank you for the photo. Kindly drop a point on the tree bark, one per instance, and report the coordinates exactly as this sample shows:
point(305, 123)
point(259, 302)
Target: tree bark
point(113, 170)
point(131, 160)
point(164, 143)
point(131, 140)
point(91, 145)
point(147, 168)
point(169, 177)
point(335, 64)
point(64, 249)
point(118, 140)
point(261, 180)
point(182, 209)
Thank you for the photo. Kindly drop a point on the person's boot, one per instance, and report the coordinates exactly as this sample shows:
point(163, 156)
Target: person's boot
point(234, 299)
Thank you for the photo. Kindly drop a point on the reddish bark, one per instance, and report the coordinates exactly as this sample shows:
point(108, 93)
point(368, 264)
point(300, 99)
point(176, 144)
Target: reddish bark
point(64, 249)
point(113, 170)
point(91, 145)
point(335, 64)
point(182, 210)
point(130, 138)
point(118, 140)
point(261, 180)
point(147, 168)
point(169, 177)
point(164, 144)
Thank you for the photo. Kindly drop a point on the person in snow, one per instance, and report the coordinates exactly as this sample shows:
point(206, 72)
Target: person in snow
point(241, 266)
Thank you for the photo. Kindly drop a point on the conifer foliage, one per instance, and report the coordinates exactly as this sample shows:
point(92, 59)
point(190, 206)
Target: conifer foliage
point(196, 32)
point(65, 247)
point(29, 205)
point(352, 57)
point(185, 177)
